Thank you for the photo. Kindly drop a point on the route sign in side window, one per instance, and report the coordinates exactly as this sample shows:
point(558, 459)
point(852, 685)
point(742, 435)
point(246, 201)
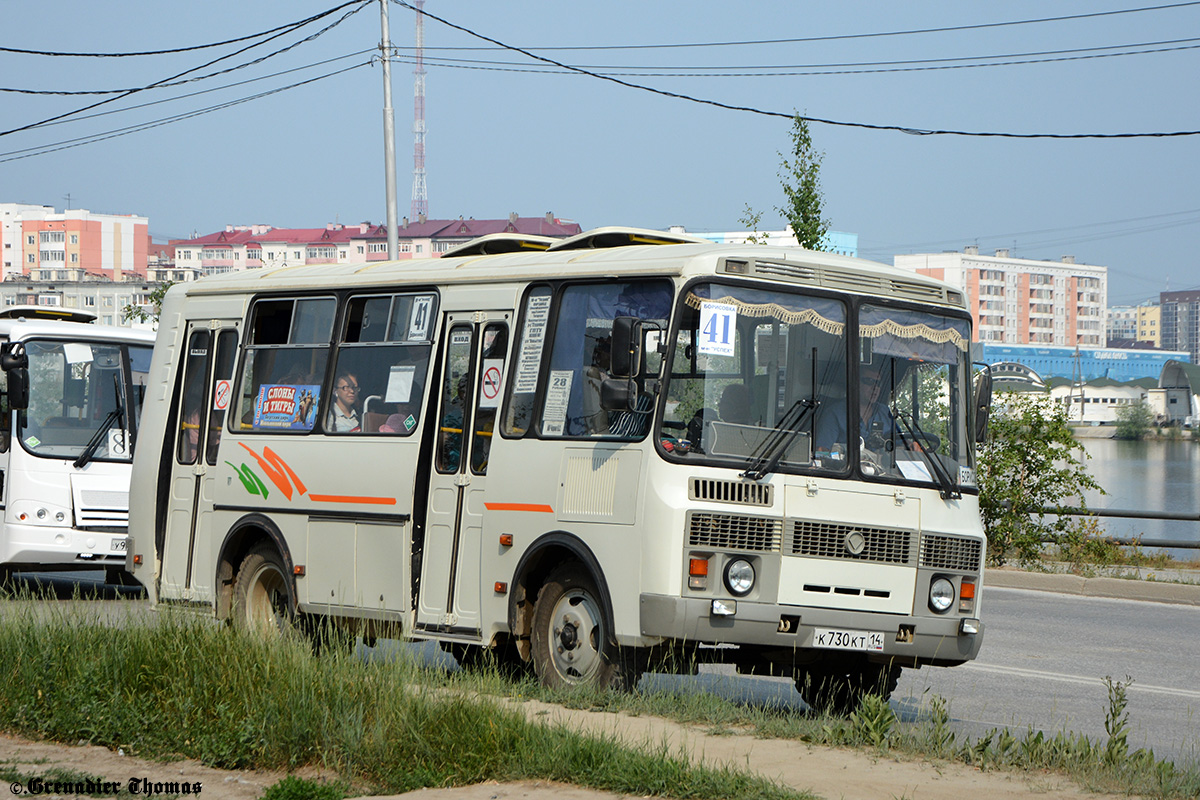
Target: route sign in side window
point(284, 367)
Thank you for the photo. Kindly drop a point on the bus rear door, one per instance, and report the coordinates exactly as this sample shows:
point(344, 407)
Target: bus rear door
point(200, 409)
point(469, 399)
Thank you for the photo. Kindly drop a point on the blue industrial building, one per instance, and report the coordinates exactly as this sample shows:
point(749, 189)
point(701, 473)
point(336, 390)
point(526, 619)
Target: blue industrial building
point(1083, 364)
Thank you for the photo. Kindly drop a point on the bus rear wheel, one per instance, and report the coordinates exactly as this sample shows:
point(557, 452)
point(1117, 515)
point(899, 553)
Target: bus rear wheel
point(571, 633)
point(839, 689)
point(262, 593)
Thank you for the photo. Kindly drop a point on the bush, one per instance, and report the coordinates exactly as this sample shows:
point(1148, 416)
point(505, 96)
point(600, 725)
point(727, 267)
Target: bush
point(1029, 465)
point(1134, 422)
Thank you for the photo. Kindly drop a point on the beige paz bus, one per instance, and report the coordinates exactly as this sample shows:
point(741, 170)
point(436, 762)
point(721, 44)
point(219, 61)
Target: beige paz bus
point(577, 455)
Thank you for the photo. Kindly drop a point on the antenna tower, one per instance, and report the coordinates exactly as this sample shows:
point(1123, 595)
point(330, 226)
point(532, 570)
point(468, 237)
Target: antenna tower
point(420, 200)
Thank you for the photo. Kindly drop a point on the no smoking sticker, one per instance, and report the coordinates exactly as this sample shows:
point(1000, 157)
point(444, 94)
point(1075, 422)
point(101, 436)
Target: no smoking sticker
point(221, 394)
point(490, 383)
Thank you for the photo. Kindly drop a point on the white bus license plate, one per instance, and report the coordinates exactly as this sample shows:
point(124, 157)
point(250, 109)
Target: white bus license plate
point(834, 639)
point(120, 545)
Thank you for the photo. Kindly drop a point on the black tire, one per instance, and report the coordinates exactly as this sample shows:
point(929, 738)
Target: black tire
point(572, 635)
point(264, 598)
point(839, 689)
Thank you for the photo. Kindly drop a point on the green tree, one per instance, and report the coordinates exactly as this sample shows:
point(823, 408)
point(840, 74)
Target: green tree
point(800, 176)
point(752, 219)
point(1030, 462)
point(1134, 421)
point(150, 312)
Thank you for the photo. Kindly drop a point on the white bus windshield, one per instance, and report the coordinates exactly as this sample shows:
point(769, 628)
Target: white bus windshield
point(760, 375)
point(75, 389)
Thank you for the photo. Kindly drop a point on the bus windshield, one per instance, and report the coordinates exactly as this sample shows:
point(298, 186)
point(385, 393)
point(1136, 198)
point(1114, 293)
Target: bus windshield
point(765, 376)
point(76, 389)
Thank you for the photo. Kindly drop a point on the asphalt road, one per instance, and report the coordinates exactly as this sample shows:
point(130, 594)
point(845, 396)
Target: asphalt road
point(1042, 666)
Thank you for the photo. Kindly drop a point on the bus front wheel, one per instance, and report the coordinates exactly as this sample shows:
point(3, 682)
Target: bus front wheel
point(571, 634)
point(262, 596)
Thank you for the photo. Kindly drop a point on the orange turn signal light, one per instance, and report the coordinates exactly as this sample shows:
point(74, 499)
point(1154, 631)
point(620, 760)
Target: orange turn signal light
point(501, 587)
point(698, 567)
point(506, 540)
point(967, 590)
point(298, 570)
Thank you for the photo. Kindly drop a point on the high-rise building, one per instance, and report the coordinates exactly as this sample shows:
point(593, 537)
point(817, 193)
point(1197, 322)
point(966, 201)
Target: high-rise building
point(1023, 301)
point(1180, 324)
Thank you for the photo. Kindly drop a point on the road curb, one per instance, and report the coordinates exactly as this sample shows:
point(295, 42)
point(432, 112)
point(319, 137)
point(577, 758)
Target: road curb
point(1132, 588)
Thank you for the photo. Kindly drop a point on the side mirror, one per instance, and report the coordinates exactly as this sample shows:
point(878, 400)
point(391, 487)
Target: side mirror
point(618, 394)
point(982, 396)
point(18, 388)
point(626, 355)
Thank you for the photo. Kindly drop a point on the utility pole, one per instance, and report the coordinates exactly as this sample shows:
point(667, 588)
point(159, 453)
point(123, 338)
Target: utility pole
point(389, 137)
point(420, 199)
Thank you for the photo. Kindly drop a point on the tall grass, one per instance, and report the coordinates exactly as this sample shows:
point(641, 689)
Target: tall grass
point(179, 686)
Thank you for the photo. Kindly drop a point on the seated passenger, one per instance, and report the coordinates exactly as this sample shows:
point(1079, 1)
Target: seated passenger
point(343, 413)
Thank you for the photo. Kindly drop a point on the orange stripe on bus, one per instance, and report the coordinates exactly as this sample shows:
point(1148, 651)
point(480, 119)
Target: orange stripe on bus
point(519, 507)
point(338, 498)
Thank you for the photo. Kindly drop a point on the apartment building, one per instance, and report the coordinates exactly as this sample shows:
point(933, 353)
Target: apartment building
point(1023, 301)
point(1180, 321)
point(44, 245)
point(241, 247)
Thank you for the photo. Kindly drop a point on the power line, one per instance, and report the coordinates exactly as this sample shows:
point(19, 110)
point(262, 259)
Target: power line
point(200, 92)
point(67, 144)
point(19, 51)
point(838, 37)
point(817, 69)
point(763, 112)
point(288, 29)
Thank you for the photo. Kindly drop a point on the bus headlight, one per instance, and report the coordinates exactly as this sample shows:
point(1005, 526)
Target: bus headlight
point(739, 577)
point(941, 595)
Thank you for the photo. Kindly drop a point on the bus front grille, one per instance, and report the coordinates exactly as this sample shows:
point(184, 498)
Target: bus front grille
point(829, 540)
point(951, 552)
point(734, 532)
point(743, 492)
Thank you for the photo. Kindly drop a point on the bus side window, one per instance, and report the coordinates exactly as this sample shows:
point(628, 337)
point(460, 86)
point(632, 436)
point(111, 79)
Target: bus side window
point(226, 353)
point(487, 394)
point(580, 353)
point(527, 362)
point(381, 365)
point(194, 376)
point(287, 348)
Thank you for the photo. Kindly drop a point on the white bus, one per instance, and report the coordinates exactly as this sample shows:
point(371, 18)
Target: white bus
point(577, 456)
point(70, 397)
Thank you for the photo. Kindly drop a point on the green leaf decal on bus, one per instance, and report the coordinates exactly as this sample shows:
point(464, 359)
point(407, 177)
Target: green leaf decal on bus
point(252, 482)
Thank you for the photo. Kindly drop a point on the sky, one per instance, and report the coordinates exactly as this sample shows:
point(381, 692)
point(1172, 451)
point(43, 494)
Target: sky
point(511, 129)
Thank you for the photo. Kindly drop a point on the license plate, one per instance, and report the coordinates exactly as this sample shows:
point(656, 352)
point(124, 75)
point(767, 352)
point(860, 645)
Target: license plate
point(834, 639)
point(120, 544)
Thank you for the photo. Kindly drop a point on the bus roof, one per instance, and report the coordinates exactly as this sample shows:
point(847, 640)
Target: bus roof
point(599, 254)
point(47, 312)
point(23, 328)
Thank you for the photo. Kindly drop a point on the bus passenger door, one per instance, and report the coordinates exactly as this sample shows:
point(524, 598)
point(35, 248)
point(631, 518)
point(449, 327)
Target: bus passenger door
point(469, 399)
point(204, 397)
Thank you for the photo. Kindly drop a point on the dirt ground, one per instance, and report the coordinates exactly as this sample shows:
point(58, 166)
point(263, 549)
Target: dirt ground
point(837, 774)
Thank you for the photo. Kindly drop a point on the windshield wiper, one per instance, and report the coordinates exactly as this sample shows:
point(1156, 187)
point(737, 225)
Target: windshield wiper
point(116, 415)
point(920, 441)
point(768, 454)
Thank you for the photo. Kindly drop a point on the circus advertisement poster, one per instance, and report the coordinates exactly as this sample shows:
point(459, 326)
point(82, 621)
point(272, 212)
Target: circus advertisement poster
point(286, 406)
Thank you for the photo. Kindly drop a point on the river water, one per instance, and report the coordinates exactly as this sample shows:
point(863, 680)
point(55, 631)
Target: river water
point(1149, 476)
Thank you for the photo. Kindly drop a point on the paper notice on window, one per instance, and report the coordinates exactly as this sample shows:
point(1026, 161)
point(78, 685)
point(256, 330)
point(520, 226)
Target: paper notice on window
point(558, 392)
point(718, 321)
point(399, 385)
point(529, 361)
point(914, 470)
point(76, 353)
